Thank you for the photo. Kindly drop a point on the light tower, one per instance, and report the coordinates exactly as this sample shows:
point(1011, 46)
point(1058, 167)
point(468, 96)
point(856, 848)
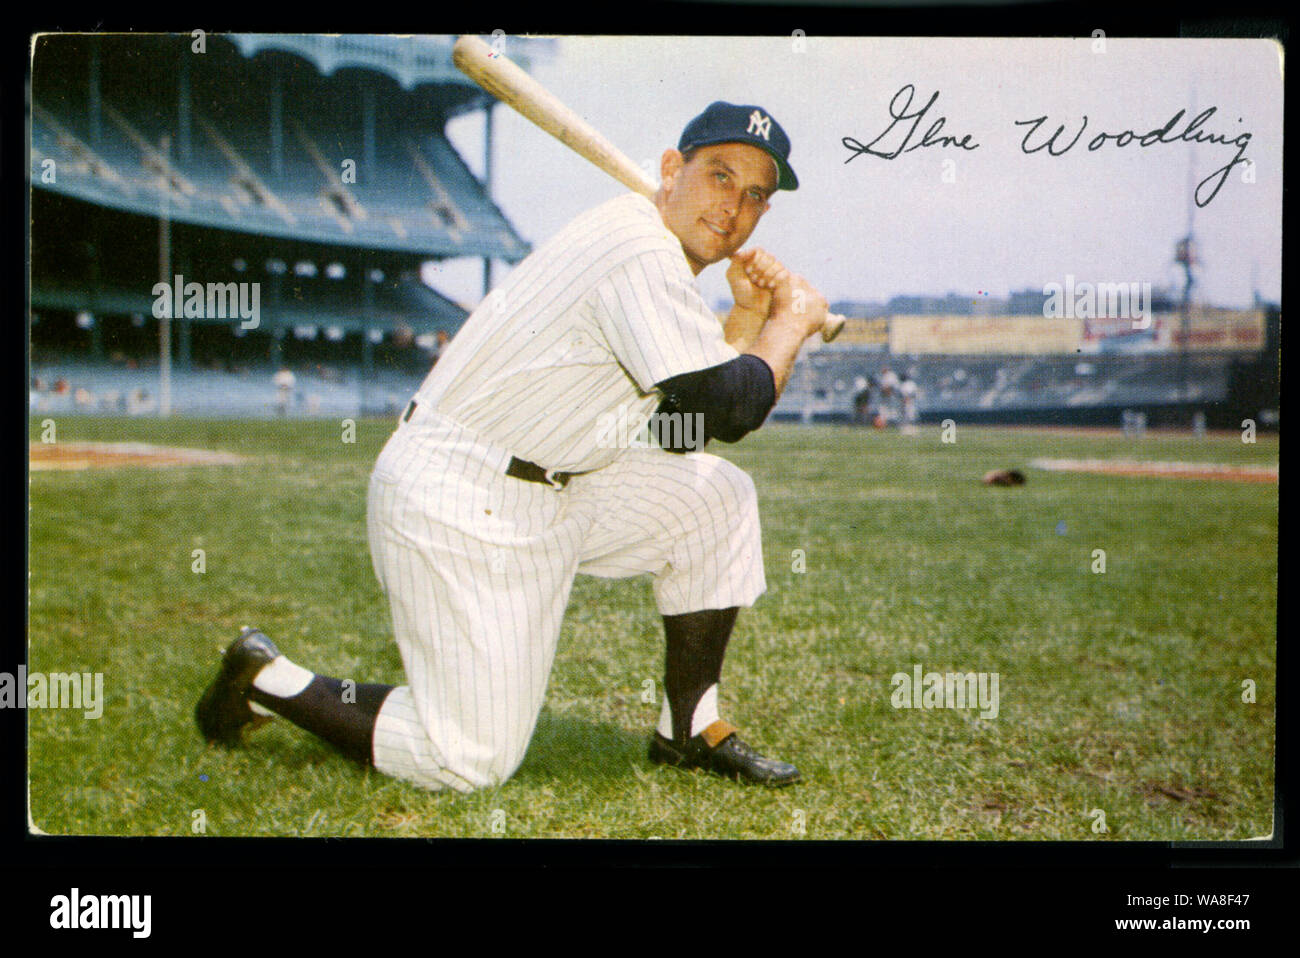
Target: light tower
point(1187, 256)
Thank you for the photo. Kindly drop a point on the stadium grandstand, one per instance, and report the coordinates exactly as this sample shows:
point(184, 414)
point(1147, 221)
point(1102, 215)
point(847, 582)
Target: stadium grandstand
point(304, 179)
point(1013, 366)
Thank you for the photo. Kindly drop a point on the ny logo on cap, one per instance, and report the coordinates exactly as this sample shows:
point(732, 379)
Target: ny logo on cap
point(760, 125)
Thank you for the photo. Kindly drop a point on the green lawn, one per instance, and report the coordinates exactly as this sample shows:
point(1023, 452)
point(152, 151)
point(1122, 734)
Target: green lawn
point(1119, 692)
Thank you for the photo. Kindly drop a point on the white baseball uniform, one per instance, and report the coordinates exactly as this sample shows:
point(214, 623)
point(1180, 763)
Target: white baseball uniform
point(478, 565)
point(907, 391)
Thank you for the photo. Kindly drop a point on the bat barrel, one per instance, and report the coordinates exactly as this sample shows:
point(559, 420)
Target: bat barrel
point(512, 86)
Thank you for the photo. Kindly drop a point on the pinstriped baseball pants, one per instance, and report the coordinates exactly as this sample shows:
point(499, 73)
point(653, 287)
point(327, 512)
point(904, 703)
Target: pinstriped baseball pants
point(478, 567)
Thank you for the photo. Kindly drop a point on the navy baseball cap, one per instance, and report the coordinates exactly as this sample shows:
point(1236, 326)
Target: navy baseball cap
point(729, 123)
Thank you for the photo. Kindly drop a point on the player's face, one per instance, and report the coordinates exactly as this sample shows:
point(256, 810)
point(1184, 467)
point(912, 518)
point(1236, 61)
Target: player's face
point(713, 202)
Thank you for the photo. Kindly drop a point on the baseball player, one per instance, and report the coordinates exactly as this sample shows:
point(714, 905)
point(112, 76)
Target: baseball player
point(503, 480)
point(907, 390)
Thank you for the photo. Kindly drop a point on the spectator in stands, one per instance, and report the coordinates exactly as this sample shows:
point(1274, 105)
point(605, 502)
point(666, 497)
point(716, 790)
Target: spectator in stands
point(440, 343)
point(284, 381)
point(139, 402)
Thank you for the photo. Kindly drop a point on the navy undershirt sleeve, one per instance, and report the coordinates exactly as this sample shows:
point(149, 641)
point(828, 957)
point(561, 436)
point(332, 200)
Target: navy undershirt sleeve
point(733, 398)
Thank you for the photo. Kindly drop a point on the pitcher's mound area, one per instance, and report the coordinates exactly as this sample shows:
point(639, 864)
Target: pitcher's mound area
point(97, 455)
point(1162, 470)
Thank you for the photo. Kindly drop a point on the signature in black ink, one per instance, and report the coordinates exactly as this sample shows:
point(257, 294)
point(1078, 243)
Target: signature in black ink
point(898, 110)
point(908, 121)
point(1192, 133)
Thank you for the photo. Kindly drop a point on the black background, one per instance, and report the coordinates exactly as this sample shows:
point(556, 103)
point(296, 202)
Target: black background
point(468, 894)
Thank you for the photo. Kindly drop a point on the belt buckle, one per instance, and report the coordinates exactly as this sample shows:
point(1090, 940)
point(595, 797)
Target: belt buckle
point(551, 477)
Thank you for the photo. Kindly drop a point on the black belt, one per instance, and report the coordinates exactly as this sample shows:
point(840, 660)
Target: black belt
point(532, 472)
point(522, 468)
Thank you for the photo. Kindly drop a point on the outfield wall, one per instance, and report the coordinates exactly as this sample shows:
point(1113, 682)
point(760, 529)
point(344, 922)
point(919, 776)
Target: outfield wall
point(1203, 329)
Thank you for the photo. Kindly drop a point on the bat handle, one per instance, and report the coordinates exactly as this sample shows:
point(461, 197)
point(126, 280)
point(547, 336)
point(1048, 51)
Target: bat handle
point(831, 328)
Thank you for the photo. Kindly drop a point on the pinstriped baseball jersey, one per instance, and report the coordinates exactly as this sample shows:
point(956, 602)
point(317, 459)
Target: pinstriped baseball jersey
point(581, 330)
point(478, 563)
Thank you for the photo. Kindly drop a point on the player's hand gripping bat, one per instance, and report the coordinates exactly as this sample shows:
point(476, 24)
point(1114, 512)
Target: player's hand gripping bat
point(515, 88)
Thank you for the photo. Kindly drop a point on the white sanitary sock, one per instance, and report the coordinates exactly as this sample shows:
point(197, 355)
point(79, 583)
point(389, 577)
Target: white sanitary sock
point(282, 678)
point(706, 713)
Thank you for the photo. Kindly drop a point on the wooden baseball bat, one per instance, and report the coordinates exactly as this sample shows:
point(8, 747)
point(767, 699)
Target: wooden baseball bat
point(496, 74)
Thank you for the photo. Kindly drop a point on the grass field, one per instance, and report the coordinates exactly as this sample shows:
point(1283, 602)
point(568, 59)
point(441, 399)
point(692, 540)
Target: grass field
point(1120, 692)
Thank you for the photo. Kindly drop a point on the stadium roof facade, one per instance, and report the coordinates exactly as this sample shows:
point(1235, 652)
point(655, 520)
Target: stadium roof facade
point(325, 139)
point(411, 61)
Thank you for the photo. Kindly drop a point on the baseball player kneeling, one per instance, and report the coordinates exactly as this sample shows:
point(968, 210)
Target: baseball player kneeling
point(504, 480)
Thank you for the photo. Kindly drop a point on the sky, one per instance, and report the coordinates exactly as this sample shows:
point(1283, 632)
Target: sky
point(939, 218)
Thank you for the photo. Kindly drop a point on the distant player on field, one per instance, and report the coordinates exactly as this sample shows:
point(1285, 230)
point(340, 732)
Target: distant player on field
point(907, 394)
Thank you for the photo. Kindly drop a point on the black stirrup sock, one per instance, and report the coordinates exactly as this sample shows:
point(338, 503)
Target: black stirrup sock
point(696, 644)
point(343, 715)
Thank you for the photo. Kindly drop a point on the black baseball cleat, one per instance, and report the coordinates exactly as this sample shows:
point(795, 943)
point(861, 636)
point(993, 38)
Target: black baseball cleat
point(719, 749)
point(224, 712)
